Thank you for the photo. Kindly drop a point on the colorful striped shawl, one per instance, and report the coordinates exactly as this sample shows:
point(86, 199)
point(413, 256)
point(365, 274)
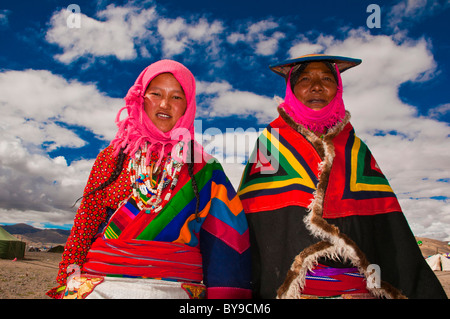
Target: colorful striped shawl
point(284, 170)
point(220, 212)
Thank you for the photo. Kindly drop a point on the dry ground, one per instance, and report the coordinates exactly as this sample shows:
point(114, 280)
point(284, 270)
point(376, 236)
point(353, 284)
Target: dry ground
point(29, 278)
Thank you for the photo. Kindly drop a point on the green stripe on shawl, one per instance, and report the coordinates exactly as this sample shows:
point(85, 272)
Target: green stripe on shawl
point(276, 155)
point(363, 162)
point(178, 201)
point(112, 231)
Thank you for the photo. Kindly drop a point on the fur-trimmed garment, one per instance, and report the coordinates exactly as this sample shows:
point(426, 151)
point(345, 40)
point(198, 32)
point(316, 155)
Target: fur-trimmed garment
point(311, 200)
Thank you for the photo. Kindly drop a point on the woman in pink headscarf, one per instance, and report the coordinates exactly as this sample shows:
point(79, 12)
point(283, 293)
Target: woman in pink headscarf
point(323, 220)
point(158, 218)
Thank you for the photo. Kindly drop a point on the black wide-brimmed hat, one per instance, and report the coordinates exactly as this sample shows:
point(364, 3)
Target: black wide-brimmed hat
point(343, 63)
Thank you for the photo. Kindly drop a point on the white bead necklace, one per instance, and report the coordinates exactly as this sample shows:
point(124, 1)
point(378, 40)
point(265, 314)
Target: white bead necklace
point(146, 192)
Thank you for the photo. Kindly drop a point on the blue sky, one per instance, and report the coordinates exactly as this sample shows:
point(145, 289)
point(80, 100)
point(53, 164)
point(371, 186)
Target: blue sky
point(61, 87)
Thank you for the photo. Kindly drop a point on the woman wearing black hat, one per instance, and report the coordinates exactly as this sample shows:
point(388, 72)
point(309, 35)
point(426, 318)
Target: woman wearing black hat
point(324, 221)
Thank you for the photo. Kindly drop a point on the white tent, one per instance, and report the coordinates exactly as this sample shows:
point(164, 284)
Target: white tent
point(434, 262)
point(445, 263)
point(439, 262)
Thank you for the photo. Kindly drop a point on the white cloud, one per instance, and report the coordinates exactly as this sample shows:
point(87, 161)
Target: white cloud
point(116, 32)
point(255, 36)
point(124, 32)
point(30, 180)
point(231, 148)
point(178, 35)
point(50, 99)
point(304, 46)
point(439, 110)
point(219, 99)
point(35, 182)
point(411, 11)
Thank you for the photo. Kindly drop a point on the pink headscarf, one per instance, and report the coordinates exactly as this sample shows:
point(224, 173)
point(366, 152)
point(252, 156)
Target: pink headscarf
point(137, 129)
point(315, 120)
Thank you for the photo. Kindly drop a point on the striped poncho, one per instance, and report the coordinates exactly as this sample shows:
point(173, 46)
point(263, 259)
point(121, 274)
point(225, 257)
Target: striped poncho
point(313, 201)
point(219, 235)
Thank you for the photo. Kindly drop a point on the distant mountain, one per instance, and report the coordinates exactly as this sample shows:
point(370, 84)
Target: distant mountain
point(35, 235)
point(20, 229)
point(430, 246)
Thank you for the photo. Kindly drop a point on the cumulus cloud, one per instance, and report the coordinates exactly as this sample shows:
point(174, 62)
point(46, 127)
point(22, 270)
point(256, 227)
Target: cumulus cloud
point(412, 11)
point(116, 32)
point(49, 99)
point(303, 45)
point(178, 35)
point(439, 111)
point(220, 99)
point(34, 187)
point(30, 127)
point(231, 148)
point(262, 36)
point(126, 32)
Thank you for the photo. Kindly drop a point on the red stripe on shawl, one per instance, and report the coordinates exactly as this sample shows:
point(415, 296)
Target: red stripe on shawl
point(144, 259)
point(121, 220)
point(226, 233)
point(335, 205)
point(269, 202)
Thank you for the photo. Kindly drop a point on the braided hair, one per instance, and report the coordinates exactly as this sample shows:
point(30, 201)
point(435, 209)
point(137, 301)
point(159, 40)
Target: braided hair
point(194, 182)
point(119, 167)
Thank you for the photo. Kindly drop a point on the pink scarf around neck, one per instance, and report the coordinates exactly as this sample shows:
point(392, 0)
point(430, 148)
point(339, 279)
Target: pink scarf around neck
point(137, 129)
point(318, 121)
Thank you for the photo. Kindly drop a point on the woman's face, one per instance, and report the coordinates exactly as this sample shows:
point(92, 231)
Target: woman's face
point(316, 86)
point(164, 101)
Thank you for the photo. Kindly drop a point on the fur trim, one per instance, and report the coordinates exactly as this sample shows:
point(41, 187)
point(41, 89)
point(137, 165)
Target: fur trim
point(334, 244)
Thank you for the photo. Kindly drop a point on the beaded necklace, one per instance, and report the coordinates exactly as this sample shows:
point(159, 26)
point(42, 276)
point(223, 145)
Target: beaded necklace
point(147, 190)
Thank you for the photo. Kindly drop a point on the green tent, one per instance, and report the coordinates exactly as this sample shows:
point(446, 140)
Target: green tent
point(10, 246)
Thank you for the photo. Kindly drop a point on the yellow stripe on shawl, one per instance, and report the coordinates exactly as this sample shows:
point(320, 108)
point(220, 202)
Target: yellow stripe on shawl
point(290, 158)
point(305, 180)
point(356, 187)
point(274, 184)
point(110, 233)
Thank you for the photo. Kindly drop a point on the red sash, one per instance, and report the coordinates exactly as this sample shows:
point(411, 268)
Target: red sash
point(141, 258)
point(327, 281)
